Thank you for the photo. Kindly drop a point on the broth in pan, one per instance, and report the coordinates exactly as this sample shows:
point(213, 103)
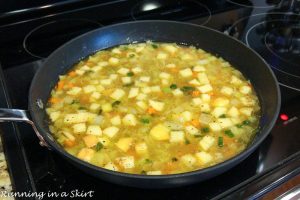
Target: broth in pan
point(153, 108)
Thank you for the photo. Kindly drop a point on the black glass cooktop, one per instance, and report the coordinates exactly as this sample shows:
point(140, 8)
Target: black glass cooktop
point(269, 27)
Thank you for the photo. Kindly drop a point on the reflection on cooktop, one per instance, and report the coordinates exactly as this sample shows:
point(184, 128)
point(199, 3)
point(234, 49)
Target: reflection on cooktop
point(256, 3)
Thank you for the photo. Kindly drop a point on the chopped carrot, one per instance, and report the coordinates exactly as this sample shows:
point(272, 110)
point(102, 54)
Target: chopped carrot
point(187, 123)
point(69, 143)
point(195, 123)
point(90, 63)
point(195, 74)
point(196, 93)
point(72, 73)
point(151, 111)
point(70, 85)
point(60, 85)
point(54, 100)
point(174, 70)
point(169, 167)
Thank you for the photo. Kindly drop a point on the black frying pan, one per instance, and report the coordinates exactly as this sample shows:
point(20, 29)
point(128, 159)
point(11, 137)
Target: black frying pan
point(61, 60)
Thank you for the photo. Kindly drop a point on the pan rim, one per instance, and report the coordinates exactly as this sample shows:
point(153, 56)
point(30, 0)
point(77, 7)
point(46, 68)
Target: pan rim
point(230, 162)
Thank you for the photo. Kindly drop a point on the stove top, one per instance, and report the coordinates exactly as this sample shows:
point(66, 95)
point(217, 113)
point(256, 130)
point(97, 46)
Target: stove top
point(270, 27)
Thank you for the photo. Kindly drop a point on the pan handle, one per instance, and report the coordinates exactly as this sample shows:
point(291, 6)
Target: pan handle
point(16, 115)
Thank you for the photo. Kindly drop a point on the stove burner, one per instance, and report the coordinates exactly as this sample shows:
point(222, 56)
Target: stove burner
point(276, 37)
point(256, 4)
point(170, 10)
point(44, 39)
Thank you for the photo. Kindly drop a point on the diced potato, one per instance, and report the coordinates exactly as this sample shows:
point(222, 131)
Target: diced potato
point(111, 131)
point(126, 80)
point(116, 120)
point(141, 148)
point(106, 81)
point(192, 130)
point(129, 120)
point(203, 157)
point(124, 143)
point(218, 111)
point(141, 96)
point(104, 141)
point(154, 173)
point(170, 48)
point(235, 80)
point(245, 89)
point(90, 140)
point(145, 79)
point(247, 101)
point(225, 122)
point(203, 61)
point(221, 102)
point(102, 64)
point(164, 75)
point(170, 65)
point(69, 135)
point(165, 82)
point(86, 154)
point(177, 136)
point(177, 92)
point(54, 115)
point(205, 107)
point(205, 88)
point(107, 107)
point(146, 90)
point(160, 132)
point(96, 68)
point(226, 90)
point(113, 77)
point(188, 160)
point(127, 162)
point(155, 88)
point(162, 56)
point(85, 68)
point(89, 89)
point(74, 91)
point(100, 88)
point(246, 111)
point(197, 101)
point(79, 128)
point(123, 71)
point(133, 92)
point(113, 61)
point(233, 112)
point(94, 130)
point(96, 95)
point(95, 106)
point(117, 94)
point(139, 49)
point(142, 105)
point(116, 51)
point(205, 118)
point(237, 131)
point(206, 142)
point(187, 72)
point(215, 126)
point(205, 97)
point(136, 70)
point(186, 115)
point(111, 166)
point(199, 68)
point(203, 79)
point(157, 105)
point(79, 72)
point(194, 82)
point(76, 118)
point(186, 57)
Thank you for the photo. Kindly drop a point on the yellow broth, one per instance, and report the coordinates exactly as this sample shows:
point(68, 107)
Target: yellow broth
point(153, 108)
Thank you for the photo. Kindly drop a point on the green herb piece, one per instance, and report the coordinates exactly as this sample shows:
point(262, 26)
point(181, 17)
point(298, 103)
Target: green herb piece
point(82, 108)
point(148, 161)
point(143, 172)
point(115, 103)
point(246, 122)
point(167, 90)
point(222, 116)
point(131, 55)
point(173, 86)
point(229, 133)
point(174, 159)
point(100, 111)
point(197, 136)
point(145, 121)
point(128, 85)
point(205, 130)
point(155, 46)
point(99, 146)
point(75, 101)
point(130, 74)
point(220, 142)
point(187, 89)
point(239, 125)
point(187, 141)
